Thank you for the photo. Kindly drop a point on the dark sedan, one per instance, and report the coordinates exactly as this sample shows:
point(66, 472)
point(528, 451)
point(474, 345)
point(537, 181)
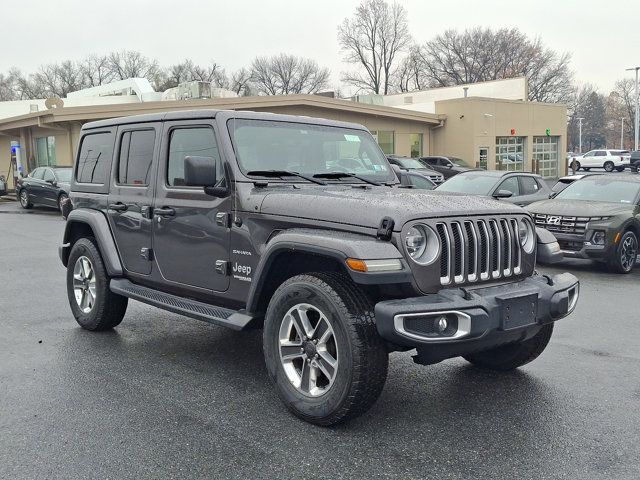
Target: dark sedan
point(514, 187)
point(409, 179)
point(447, 166)
point(597, 217)
point(414, 166)
point(45, 186)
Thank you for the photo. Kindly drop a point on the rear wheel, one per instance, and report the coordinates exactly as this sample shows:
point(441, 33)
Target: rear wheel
point(322, 348)
point(509, 357)
point(24, 199)
point(624, 258)
point(94, 306)
point(608, 166)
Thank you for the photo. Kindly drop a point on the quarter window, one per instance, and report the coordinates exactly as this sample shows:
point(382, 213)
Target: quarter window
point(94, 159)
point(136, 157)
point(37, 173)
point(185, 142)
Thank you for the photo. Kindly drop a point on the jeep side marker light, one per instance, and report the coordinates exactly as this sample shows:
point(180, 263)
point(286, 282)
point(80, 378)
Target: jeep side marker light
point(385, 265)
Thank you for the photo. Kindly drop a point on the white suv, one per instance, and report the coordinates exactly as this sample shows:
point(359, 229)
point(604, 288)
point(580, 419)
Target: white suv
point(607, 159)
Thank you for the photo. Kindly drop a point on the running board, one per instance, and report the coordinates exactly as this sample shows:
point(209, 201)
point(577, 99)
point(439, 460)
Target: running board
point(234, 319)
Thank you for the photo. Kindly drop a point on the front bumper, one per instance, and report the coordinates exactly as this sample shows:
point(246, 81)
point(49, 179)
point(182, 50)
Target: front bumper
point(581, 248)
point(485, 317)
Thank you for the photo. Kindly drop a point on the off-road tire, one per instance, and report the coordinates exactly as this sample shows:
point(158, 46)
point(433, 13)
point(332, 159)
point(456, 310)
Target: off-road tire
point(362, 355)
point(23, 198)
point(608, 166)
point(61, 198)
point(510, 357)
point(616, 263)
point(109, 308)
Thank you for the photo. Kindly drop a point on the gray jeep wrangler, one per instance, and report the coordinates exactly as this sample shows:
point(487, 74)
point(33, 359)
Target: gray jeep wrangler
point(300, 226)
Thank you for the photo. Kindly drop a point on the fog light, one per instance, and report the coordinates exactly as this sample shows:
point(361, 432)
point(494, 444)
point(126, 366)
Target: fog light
point(598, 237)
point(442, 324)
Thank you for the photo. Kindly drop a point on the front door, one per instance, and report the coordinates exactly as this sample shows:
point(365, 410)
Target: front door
point(131, 194)
point(49, 195)
point(483, 155)
point(191, 229)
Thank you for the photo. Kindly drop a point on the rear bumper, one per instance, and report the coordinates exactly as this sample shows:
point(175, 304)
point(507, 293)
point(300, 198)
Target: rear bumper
point(484, 318)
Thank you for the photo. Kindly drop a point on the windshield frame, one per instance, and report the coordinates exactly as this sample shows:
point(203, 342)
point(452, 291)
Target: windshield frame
point(389, 179)
point(599, 178)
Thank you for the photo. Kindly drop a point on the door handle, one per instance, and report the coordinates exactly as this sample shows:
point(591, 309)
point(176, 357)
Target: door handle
point(164, 212)
point(118, 207)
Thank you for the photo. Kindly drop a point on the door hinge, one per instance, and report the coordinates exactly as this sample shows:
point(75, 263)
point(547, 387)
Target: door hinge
point(146, 253)
point(146, 211)
point(223, 219)
point(222, 267)
point(385, 230)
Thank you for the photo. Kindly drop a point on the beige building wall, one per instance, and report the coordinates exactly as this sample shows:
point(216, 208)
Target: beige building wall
point(474, 123)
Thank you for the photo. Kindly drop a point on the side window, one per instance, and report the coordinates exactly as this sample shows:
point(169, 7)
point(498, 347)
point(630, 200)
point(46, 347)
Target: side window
point(421, 182)
point(510, 184)
point(600, 153)
point(136, 157)
point(529, 185)
point(194, 141)
point(94, 159)
point(37, 173)
point(48, 175)
point(432, 161)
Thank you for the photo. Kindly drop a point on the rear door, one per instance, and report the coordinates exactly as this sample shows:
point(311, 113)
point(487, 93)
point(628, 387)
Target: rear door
point(34, 184)
point(49, 195)
point(191, 229)
point(131, 194)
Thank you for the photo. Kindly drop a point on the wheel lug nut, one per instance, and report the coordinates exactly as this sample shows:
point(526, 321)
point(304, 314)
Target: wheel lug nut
point(315, 340)
point(302, 350)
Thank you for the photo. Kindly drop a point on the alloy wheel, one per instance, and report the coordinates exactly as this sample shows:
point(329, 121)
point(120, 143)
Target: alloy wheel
point(24, 198)
point(84, 284)
point(628, 252)
point(308, 350)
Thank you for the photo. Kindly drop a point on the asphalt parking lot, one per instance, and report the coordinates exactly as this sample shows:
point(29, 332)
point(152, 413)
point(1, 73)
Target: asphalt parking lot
point(164, 396)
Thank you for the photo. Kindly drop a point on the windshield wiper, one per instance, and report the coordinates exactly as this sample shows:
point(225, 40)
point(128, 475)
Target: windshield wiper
point(284, 173)
point(338, 175)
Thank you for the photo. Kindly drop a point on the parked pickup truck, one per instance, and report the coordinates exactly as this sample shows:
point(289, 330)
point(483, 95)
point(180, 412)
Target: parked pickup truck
point(249, 220)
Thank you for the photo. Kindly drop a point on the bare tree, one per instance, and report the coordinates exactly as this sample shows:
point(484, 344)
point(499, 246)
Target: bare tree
point(287, 74)
point(621, 104)
point(96, 70)
point(482, 54)
point(131, 64)
point(373, 38)
point(9, 86)
point(240, 82)
point(410, 74)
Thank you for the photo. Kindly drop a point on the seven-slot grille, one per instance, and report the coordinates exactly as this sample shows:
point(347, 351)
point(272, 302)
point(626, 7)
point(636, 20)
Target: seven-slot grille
point(478, 250)
point(562, 224)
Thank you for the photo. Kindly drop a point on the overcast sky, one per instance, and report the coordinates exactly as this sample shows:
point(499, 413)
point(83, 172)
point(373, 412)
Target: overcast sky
point(603, 36)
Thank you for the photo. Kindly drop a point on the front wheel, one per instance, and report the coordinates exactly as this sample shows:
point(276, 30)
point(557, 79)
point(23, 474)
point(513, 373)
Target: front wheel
point(624, 258)
point(512, 356)
point(24, 199)
point(322, 348)
point(94, 306)
point(608, 166)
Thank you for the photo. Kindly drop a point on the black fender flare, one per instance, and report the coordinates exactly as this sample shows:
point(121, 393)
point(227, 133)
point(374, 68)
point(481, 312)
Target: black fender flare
point(332, 244)
point(102, 233)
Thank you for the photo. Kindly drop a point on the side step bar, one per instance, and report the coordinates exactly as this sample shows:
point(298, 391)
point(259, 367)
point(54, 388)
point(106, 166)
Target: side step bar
point(234, 319)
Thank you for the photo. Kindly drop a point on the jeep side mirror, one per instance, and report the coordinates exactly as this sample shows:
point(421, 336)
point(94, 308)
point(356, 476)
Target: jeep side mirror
point(201, 172)
point(502, 194)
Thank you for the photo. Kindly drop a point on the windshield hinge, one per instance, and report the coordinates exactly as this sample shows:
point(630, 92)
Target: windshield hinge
point(385, 229)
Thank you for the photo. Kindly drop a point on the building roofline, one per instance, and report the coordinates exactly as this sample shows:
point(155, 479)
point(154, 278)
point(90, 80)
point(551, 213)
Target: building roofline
point(500, 100)
point(462, 85)
point(98, 112)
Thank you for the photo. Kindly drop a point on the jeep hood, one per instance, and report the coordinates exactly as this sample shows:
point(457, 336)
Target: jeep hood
point(573, 208)
point(366, 207)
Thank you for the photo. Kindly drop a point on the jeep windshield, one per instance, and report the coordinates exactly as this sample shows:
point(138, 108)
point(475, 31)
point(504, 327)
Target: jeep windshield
point(601, 189)
point(308, 149)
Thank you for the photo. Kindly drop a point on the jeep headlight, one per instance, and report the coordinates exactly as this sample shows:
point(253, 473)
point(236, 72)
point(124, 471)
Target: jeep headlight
point(527, 235)
point(422, 244)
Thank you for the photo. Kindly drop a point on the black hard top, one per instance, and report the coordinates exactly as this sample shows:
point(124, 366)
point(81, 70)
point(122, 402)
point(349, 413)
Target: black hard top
point(212, 113)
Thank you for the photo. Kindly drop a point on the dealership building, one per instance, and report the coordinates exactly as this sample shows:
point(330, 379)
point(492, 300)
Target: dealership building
point(489, 124)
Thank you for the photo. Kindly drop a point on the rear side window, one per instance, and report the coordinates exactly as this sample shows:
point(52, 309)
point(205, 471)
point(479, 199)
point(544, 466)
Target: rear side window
point(94, 160)
point(529, 186)
point(185, 142)
point(37, 173)
point(136, 157)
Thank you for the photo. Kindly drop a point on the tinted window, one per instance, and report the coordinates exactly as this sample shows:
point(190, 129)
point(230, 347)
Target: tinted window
point(421, 182)
point(37, 173)
point(510, 184)
point(529, 185)
point(431, 161)
point(185, 142)
point(136, 156)
point(95, 158)
point(48, 175)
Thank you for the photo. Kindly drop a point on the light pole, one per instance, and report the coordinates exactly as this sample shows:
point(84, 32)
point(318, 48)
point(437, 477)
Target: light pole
point(622, 133)
point(637, 108)
point(580, 134)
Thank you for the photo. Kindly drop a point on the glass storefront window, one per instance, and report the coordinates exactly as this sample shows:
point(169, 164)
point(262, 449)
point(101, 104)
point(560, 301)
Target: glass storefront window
point(545, 156)
point(46, 151)
point(510, 153)
point(386, 140)
point(415, 139)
